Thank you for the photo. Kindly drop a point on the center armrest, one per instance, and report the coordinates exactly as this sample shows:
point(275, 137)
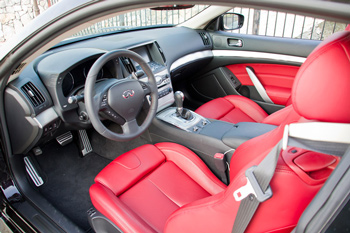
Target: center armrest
point(244, 131)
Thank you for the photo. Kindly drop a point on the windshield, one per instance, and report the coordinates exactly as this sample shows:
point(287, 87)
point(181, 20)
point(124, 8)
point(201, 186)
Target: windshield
point(141, 19)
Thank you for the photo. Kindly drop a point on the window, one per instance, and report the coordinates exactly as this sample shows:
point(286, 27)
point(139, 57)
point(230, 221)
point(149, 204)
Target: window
point(142, 18)
point(281, 24)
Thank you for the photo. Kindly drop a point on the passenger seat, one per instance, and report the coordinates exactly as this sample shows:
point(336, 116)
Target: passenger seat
point(235, 108)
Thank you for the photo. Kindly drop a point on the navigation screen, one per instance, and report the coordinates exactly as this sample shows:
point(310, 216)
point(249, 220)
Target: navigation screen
point(143, 52)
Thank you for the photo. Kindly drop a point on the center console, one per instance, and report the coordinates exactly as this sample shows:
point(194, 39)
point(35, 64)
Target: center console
point(183, 118)
point(205, 137)
point(194, 125)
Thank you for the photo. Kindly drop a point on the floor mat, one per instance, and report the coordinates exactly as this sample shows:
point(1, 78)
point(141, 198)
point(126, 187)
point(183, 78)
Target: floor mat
point(68, 178)
point(112, 149)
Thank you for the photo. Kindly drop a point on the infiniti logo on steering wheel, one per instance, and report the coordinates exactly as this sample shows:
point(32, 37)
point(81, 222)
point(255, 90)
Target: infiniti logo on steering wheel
point(128, 93)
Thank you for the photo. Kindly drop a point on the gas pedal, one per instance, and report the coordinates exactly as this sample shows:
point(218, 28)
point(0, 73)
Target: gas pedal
point(85, 144)
point(65, 138)
point(32, 172)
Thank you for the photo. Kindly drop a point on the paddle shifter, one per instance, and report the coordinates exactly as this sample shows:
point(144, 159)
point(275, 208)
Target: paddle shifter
point(180, 111)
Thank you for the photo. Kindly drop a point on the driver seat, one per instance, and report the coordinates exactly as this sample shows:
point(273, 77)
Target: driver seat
point(167, 188)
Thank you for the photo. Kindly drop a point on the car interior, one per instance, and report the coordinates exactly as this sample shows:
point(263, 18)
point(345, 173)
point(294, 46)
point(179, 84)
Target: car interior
point(155, 130)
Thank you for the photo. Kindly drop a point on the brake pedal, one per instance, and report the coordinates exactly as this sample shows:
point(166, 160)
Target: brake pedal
point(85, 144)
point(32, 172)
point(65, 138)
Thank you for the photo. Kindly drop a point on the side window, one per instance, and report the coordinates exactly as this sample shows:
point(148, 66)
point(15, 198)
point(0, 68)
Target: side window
point(282, 24)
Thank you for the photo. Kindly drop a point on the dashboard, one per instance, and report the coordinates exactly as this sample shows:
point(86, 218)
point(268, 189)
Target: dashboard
point(39, 106)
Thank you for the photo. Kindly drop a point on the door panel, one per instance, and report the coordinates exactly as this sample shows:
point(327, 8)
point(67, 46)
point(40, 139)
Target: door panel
point(274, 61)
point(276, 79)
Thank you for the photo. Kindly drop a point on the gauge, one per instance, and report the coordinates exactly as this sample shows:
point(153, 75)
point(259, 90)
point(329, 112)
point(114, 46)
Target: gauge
point(87, 69)
point(67, 84)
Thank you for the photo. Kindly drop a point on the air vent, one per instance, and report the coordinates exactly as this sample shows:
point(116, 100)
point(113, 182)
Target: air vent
point(205, 38)
point(128, 64)
point(32, 92)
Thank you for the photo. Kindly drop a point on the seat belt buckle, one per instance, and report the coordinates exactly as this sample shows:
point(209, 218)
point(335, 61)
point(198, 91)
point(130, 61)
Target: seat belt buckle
point(252, 187)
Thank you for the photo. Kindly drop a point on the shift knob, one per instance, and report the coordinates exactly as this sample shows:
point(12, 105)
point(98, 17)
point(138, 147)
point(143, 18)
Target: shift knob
point(180, 111)
point(179, 100)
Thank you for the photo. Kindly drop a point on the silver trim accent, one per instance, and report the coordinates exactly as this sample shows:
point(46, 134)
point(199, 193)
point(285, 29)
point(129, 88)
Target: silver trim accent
point(251, 54)
point(46, 117)
point(85, 141)
point(195, 125)
point(36, 178)
point(259, 87)
point(190, 58)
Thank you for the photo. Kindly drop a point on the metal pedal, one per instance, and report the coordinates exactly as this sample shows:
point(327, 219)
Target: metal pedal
point(86, 147)
point(65, 138)
point(33, 174)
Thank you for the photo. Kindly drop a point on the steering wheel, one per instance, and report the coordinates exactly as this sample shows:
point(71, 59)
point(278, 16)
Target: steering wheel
point(120, 100)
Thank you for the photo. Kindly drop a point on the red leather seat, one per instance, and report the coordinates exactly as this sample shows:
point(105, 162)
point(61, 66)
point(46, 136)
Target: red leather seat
point(167, 188)
point(140, 189)
point(236, 108)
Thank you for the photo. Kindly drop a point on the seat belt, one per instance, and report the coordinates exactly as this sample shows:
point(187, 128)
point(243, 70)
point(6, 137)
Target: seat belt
point(317, 136)
point(256, 190)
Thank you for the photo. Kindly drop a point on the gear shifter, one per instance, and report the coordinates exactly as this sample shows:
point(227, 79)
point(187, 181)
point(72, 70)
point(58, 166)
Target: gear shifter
point(180, 111)
point(179, 98)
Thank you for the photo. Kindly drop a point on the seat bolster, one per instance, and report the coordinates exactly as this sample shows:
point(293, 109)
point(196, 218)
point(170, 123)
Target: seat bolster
point(249, 107)
point(289, 101)
point(278, 117)
point(110, 206)
point(287, 114)
point(210, 214)
point(192, 165)
point(215, 109)
point(129, 168)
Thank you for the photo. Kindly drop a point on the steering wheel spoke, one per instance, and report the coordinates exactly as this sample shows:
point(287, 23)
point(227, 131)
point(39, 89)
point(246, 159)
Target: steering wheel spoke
point(145, 87)
point(103, 102)
point(109, 114)
point(130, 127)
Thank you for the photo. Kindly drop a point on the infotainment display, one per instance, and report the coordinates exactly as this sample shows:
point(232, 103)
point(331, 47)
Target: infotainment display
point(143, 52)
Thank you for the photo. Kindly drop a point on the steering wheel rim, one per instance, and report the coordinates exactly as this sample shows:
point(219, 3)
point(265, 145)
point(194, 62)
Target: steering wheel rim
point(93, 100)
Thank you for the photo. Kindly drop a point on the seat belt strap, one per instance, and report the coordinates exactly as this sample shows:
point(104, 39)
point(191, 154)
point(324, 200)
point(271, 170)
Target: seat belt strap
point(256, 190)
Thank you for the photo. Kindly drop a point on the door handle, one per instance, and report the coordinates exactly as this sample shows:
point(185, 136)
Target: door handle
point(234, 42)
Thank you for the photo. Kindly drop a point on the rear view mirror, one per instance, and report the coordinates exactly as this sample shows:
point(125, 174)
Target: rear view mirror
point(231, 21)
point(172, 7)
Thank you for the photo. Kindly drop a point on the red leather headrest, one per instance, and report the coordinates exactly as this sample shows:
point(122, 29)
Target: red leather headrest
point(321, 90)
